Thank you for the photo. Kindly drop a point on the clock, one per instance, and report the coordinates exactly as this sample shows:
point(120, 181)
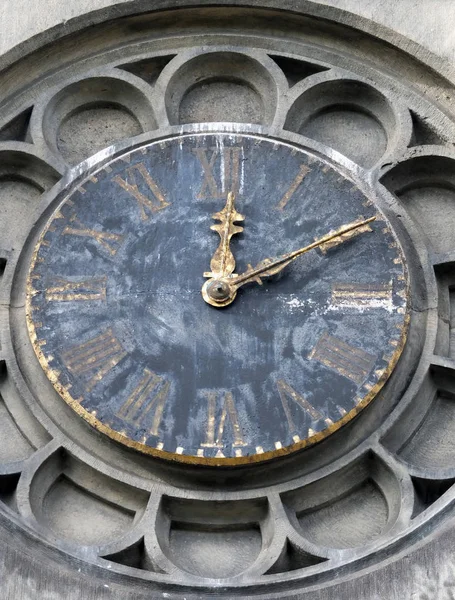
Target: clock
point(217, 298)
point(226, 307)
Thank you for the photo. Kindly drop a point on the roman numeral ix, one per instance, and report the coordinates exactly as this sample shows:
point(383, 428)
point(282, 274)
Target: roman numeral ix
point(92, 288)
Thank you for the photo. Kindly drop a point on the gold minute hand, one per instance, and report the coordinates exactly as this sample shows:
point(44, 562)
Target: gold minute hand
point(270, 266)
point(222, 291)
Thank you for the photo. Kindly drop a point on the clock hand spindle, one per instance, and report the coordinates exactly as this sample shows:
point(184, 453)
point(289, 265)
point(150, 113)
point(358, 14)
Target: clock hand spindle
point(222, 291)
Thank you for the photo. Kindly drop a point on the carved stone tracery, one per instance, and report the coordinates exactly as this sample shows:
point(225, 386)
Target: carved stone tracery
point(347, 504)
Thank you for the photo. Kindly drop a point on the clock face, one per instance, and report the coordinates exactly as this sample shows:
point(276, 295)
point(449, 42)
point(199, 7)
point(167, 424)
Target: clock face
point(118, 321)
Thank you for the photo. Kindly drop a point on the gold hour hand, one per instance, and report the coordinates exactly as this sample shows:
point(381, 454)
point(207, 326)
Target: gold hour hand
point(222, 291)
point(223, 261)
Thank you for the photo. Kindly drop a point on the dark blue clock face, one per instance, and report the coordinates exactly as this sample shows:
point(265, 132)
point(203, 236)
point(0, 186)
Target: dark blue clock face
point(118, 322)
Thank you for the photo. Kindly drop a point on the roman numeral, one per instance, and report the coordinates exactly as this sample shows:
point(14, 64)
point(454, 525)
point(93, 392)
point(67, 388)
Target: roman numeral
point(362, 295)
point(215, 433)
point(303, 172)
point(216, 184)
point(349, 361)
point(93, 359)
point(110, 242)
point(148, 396)
point(92, 288)
point(288, 393)
point(150, 203)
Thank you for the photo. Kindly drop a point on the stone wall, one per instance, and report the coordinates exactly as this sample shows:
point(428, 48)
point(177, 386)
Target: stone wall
point(427, 22)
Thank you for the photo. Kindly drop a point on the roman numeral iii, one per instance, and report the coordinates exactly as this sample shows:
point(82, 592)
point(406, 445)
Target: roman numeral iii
point(362, 295)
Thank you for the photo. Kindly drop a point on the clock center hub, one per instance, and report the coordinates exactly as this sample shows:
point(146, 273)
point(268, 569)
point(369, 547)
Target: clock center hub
point(218, 290)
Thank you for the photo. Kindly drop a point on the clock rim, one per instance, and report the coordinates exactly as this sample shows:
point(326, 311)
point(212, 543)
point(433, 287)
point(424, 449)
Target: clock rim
point(89, 167)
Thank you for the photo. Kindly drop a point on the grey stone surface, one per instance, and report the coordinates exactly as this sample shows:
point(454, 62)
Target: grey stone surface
point(427, 22)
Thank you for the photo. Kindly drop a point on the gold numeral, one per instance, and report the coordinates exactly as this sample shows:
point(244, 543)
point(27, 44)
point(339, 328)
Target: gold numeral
point(152, 203)
point(229, 173)
point(215, 434)
point(93, 359)
point(349, 361)
point(362, 295)
point(303, 172)
point(286, 391)
point(110, 242)
point(149, 395)
point(92, 288)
